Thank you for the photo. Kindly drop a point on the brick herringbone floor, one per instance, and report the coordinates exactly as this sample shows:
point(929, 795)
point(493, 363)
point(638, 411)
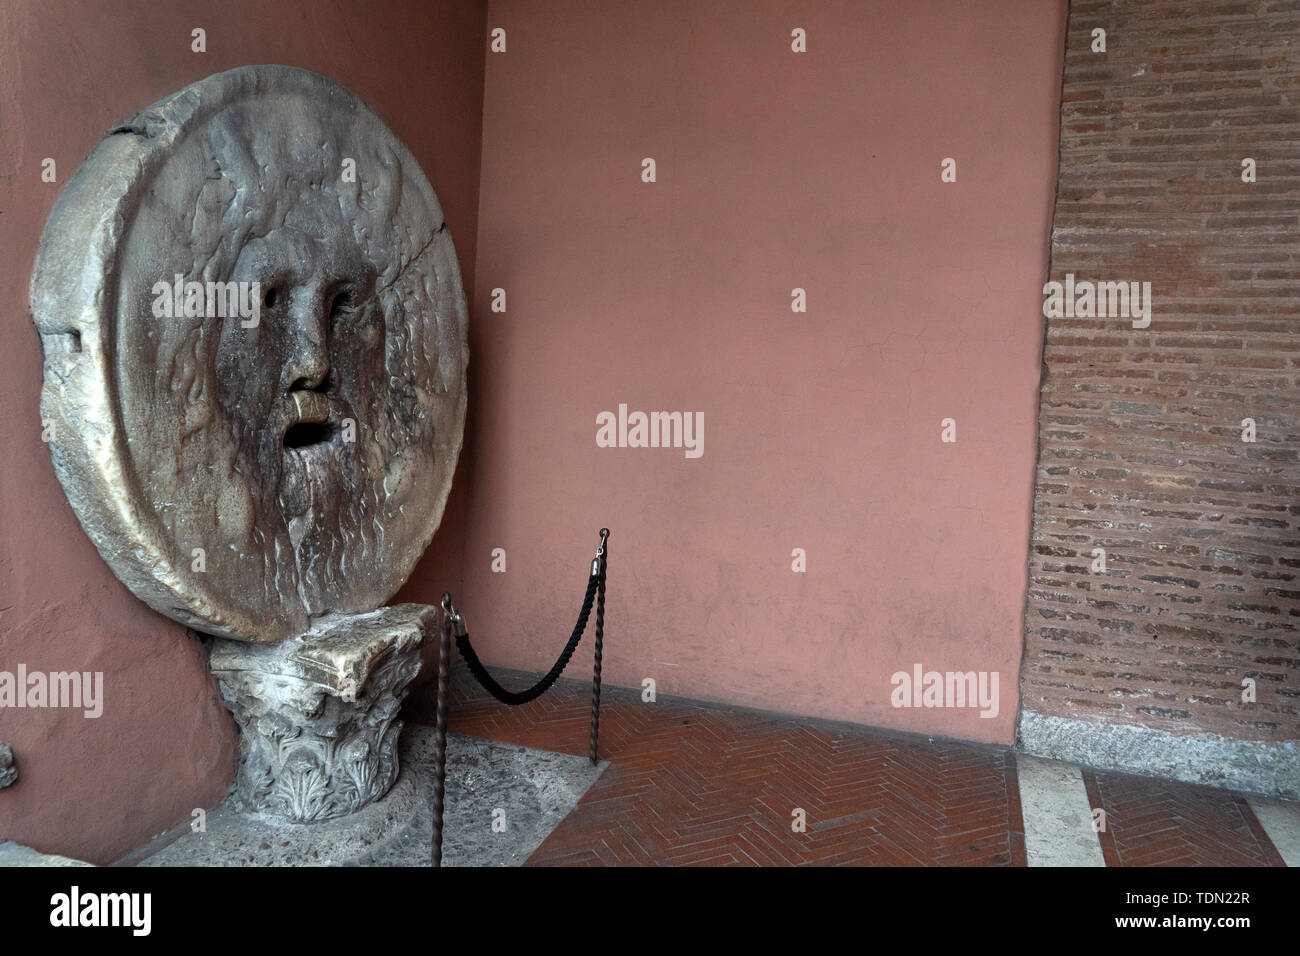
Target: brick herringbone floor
point(695, 784)
point(1166, 823)
point(699, 784)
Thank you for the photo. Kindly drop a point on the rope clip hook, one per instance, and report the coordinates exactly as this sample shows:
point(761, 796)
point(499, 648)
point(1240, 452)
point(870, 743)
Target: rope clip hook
point(598, 562)
point(453, 616)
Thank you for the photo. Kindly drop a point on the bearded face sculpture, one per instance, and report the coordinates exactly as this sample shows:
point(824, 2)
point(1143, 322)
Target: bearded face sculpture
point(247, 470)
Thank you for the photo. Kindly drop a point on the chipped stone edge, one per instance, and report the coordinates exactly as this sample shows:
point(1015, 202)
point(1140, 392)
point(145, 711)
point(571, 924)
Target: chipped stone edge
point(1253, 766)
point(15, 854)
point(8, 769)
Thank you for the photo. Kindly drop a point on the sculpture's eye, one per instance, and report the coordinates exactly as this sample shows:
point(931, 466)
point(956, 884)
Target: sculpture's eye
point(271, 298)
point(343, 303)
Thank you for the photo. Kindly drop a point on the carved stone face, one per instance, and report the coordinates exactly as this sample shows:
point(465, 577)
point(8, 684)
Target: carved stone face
point(308, 366)
point(249, 470)
point(297, 391)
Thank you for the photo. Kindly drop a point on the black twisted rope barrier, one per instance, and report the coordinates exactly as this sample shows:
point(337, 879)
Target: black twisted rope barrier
point(454, 624)
point(515, 698)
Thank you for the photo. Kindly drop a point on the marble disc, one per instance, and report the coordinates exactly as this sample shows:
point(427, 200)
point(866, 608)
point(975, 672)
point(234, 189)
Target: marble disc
point(255, 349)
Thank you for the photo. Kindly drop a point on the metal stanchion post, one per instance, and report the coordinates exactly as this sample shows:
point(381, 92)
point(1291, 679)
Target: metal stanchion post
point(440, 727)
point(598, 566)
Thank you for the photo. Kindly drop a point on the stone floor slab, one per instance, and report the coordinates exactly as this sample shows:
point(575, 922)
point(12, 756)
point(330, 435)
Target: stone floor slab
point(15, 854)
point(502, 801)
point(1058, 820)
point(1281, 821)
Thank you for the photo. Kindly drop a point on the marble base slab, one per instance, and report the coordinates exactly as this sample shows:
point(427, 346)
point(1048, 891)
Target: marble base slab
point(526, 792)
point(15, 854)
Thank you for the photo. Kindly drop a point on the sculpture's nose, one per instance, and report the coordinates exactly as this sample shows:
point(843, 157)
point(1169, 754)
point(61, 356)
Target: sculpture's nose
point(308, 364)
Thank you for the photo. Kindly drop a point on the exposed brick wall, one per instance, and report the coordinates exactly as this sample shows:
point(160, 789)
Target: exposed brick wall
point(1140, 430)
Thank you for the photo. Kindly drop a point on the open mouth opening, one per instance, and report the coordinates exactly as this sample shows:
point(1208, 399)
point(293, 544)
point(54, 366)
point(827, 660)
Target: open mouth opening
point(306, 434)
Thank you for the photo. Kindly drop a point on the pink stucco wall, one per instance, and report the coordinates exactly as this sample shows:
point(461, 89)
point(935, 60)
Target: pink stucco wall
point(96, 788)
point(775, 170)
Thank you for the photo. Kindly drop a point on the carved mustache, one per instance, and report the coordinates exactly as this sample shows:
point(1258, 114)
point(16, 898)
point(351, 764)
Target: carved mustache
point(309, 407)
point(308, 418)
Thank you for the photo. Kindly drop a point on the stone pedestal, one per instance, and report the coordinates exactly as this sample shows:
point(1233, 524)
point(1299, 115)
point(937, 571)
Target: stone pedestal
point(318, 713)
point(531, 791)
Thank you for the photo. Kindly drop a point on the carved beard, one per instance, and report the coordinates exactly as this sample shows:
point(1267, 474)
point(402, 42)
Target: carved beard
point(323, 500)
